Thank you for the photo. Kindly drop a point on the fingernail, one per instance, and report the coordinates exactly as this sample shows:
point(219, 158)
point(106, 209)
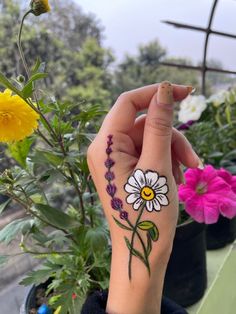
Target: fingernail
point(181, 176)
point(191, 90)
point(200, 164)
point(165, 93)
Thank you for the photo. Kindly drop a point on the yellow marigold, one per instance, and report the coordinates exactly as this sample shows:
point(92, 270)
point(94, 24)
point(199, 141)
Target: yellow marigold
point(58, 310)
point(17, 119)
point(39, 6)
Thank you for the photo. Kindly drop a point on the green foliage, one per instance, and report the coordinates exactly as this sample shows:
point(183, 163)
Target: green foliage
point(214, 135)
point(63, 224)
point(145, 68)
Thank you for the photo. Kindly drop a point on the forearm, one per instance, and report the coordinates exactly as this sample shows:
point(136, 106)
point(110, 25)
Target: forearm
point(143, 293)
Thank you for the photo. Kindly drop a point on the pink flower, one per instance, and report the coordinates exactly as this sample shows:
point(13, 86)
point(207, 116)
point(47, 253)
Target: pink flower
point(206, 195)
point(228, 177)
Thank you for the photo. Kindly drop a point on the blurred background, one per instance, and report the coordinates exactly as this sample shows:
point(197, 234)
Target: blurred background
point(95, 50)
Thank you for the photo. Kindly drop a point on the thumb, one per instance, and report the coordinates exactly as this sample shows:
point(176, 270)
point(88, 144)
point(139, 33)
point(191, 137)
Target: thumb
point(156, 148)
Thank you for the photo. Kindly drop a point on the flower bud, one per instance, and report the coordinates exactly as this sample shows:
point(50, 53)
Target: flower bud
point(20, 78)
point(39, 6)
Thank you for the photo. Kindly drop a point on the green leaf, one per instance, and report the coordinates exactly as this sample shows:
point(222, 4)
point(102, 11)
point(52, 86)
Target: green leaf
point(134, 251)
point(36, 66)
point(28, 88)
point(97, 239)
point(19, 150)
point(6, 83)
point(56, 217)
point(3, 206)
point(9, 232)
point(215, 155)
point(37, 276)
point(146, 225)
point(232, 169)
point(228, 114)
point(122, 225)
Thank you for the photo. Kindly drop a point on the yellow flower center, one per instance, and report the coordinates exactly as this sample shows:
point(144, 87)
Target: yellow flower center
point(147, 193)
point(5, 117)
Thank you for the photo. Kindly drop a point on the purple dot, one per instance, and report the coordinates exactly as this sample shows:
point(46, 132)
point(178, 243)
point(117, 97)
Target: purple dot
point(124, 215)
point(116, 203)
point(108, 150)
point(109, 163)
point(109, 143)
point(111, 189)
point(110, 136)
point(109, 175)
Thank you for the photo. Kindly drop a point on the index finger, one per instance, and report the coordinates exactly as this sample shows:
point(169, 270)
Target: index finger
point(121, 117)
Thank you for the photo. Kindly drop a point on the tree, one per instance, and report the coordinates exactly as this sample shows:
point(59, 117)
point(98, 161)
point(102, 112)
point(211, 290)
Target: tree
point(145, 68)
point(64, 47)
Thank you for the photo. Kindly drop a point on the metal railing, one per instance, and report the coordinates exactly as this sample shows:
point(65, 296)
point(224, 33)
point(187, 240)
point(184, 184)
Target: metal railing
point(208, 31)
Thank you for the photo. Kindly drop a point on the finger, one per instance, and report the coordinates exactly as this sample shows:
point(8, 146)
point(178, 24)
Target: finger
point(183, 150)
point(180, 146)
point(122, 116)
point(156, 149)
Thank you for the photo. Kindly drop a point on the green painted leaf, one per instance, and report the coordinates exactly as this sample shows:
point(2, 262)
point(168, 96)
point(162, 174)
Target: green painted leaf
point(146, 225)
point(154, 233)
point(149, 244)
point(122, 225)
point(56, 217)
point(135, 252)
point(3, 206)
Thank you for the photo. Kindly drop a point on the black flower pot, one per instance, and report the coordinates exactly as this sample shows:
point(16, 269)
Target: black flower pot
point(221, 233)
point(186, 275)
point(31, 299)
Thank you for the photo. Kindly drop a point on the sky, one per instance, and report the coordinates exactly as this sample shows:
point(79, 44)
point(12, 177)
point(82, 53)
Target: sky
point(129, 23)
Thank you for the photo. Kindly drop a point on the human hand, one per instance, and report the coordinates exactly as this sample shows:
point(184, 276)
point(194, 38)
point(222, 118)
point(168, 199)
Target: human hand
point(134, 163)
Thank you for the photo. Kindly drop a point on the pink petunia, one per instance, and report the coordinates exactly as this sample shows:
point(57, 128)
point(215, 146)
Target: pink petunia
point(207, 194)
point(228, 177)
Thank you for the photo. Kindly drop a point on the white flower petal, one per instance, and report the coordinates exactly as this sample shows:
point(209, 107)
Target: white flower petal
point(162, 199)
point(149, 205)
point(161, 190)
point(131, 189)
point(160, 182)
point(132, 198)
point(138, 203)
point(140, 177)
point(133, 182)
point(151, 178)
point(156, 205)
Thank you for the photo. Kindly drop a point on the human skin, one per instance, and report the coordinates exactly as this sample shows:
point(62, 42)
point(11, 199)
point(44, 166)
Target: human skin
point(148, 142)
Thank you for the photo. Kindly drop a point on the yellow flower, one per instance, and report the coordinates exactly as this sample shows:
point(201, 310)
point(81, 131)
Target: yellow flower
point(17, 118)
point(39, 6)
point(58, 310)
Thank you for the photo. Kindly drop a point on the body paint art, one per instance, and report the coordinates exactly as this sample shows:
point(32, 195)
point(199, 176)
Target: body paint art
point(147, 190)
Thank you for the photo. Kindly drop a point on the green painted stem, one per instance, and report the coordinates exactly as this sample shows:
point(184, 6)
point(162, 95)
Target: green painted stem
point(132, 239)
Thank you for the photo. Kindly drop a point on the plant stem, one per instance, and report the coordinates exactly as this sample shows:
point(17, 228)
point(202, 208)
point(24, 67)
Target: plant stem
point(19, 44)
point(132, 239)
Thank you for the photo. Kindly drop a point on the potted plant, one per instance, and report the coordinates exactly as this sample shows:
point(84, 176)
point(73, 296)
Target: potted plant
point(63, 223)
point(212, 133)
point(207, 194)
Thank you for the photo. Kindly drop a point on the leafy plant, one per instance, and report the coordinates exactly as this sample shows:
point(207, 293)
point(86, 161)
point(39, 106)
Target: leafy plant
point(63, 223)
